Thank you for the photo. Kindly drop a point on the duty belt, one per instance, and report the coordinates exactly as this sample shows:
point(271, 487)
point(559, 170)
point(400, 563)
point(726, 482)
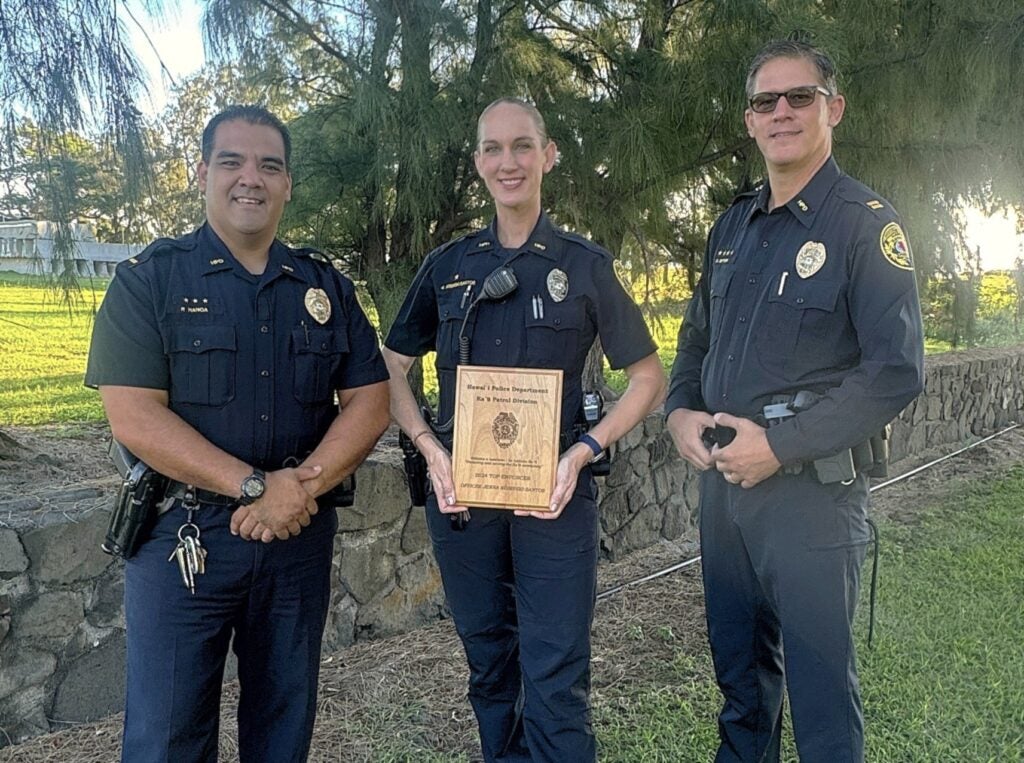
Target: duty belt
point(843, 466)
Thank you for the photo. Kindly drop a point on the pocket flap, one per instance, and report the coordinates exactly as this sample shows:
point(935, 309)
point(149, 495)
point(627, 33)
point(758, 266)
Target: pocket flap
point(202, 338)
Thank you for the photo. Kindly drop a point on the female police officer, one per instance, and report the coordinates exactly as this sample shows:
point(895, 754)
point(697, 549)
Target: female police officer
point(521, 589)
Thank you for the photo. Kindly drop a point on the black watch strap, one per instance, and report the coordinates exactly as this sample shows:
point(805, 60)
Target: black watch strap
point(252, 487)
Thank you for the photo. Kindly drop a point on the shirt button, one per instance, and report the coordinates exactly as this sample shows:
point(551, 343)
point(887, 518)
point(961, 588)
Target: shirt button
point(323, 345)
point(725, 396)
point(764, 244)
point(743, 319)
point(197, 342)
point(732, 358)
point(264, 417)
point(497, 342)
point(751, 280)
point(264, 373)
point(558, 321)
point(799, 300)
point(264, 329)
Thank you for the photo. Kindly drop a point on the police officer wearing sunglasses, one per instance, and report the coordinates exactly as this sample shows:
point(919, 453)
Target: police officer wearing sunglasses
point(802, 341)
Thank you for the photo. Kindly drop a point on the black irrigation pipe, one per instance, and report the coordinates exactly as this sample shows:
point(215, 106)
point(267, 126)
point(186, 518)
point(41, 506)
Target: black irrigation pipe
point(906, 475)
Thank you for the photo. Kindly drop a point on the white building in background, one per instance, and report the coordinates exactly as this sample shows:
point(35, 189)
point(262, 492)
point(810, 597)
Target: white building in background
point(26, 246)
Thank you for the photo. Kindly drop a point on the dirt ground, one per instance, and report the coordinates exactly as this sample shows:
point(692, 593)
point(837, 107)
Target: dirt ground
point(412, 687)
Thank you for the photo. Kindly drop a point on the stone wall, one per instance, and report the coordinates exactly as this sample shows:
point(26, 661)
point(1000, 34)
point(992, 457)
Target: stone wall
point(61, 617)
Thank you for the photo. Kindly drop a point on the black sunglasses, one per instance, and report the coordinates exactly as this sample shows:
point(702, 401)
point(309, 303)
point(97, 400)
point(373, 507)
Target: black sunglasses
point(797, 97)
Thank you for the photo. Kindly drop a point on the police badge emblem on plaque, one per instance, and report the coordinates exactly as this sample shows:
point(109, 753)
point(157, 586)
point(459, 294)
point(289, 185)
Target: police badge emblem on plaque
point(558, 285)
point(505, 429)
point(318, 305)
point(810, 258)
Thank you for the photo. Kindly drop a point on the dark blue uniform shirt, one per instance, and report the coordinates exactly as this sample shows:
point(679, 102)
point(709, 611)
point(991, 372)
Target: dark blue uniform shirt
point(819, 295)
point(243, 358)
point(530, 328)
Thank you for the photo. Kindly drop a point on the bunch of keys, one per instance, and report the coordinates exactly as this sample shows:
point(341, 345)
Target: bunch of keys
point(190, 554)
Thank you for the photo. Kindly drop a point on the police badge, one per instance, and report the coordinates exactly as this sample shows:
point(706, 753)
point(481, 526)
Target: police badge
point(810, 258)
point(558, 285)
point(505, 429)
point(318, 305)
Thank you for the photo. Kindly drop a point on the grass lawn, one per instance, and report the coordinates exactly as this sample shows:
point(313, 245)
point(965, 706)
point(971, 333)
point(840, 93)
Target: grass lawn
point(944, 682)
point(43, 347)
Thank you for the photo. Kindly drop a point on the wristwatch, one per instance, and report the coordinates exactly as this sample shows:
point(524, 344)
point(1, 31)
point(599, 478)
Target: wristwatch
point(253, 487)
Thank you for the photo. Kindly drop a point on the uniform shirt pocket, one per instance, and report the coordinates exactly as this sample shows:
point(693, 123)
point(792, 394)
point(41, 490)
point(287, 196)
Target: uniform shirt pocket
point(720, 281)
point(317, 355)
point(801, 322)
point(203, 360)
point(553, 337)
point(452, 305)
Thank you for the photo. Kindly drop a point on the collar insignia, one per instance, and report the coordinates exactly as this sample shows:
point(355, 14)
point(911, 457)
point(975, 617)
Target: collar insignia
point(217, 261)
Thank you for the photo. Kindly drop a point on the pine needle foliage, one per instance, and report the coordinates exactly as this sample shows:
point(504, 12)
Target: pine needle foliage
point(65, 68)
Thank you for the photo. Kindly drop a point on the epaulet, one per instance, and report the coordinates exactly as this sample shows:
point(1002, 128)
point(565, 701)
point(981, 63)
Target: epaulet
point(435, 253)
point(746, 195)
point(586, 243)
point(854, 192)
point(311, 253)
point(162, 246)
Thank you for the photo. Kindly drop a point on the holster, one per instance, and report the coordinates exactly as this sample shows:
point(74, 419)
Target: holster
point(135, 508)
point(415, 470)
point(870, 457)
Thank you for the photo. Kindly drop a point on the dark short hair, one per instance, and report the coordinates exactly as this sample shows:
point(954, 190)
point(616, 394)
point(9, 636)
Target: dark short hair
point(794, 49)
point(529, 108)
point(254, 115)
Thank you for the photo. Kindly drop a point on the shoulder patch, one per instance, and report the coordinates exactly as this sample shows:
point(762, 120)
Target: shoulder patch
point(586, 243)
point(894, 245)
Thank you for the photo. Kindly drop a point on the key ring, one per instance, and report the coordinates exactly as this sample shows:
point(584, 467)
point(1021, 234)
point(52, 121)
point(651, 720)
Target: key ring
point(185, 527)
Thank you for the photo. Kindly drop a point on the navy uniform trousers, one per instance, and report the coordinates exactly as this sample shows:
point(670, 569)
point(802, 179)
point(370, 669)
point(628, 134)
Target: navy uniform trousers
point(272, 597)
point(781, 565)
point(521, 593)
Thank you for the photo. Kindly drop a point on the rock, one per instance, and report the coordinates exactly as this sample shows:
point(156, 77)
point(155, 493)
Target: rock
point(416, 599)
point(12, 555)
point(22, 715)
point(23, 667)
point(69, 552)
point(382, 497)
point(5, 617)
point(367, 569)
point(107, 606)
point(92, 686)
point(415, 536)
point(50, 615)
point(341, 621)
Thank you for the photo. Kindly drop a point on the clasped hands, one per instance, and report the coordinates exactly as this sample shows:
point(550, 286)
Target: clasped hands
point(287, 505)
point(746, 461)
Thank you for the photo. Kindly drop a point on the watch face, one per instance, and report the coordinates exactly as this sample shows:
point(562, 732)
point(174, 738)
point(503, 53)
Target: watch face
point(253, 487)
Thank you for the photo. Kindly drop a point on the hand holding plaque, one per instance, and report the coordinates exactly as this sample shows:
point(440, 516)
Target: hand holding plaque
point(505, 449)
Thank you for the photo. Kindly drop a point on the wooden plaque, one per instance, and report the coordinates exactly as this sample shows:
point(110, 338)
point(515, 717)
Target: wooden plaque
point(505, 450)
